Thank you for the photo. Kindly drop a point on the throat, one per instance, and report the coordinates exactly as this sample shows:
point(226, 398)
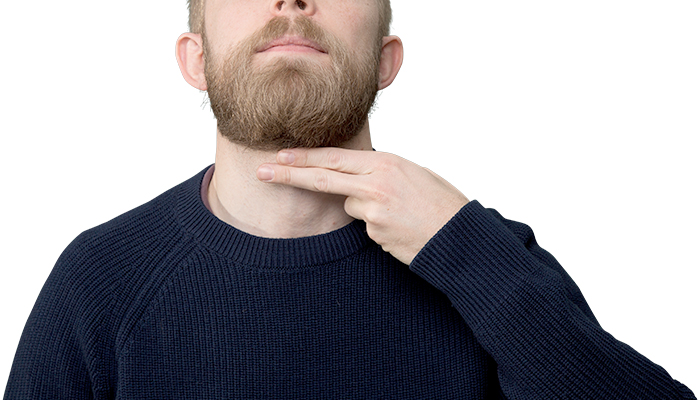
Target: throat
point(267, 210)
point(274, 211)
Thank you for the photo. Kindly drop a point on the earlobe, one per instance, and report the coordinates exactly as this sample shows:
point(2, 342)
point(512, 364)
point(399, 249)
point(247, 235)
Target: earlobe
point(391, 60)
point(189, 52)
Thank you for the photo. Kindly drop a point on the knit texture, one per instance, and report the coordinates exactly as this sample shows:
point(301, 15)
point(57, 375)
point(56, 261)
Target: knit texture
point(168, 302)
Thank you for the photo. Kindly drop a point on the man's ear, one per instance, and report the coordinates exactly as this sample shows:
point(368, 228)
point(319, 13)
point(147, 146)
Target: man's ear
point(189, 51)
point(391, 60)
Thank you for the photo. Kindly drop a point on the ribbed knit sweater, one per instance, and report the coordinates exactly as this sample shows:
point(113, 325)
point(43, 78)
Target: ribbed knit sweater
point(168, 302)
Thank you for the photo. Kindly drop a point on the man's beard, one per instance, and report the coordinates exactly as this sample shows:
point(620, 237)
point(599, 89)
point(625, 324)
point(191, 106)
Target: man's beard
point(291, 101)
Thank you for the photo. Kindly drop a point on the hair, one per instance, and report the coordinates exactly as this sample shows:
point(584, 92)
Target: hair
point(292, 102)
point(196, 20)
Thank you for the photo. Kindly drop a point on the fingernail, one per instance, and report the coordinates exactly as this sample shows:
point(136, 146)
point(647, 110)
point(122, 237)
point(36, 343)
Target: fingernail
point(285, 157)
point(266, 174)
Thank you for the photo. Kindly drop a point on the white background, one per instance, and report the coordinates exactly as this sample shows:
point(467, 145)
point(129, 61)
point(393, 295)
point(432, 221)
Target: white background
point(578, 118)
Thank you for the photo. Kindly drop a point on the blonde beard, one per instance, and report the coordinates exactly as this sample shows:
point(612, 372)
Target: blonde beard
point(291, 102)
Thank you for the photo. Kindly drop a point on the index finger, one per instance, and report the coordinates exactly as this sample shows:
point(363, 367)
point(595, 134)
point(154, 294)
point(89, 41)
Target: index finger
point(356, 162)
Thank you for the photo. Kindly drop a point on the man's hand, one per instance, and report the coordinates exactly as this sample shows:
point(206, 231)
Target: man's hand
point(403, 204)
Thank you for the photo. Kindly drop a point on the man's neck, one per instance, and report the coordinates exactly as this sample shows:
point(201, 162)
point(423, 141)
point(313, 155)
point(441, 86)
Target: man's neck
point(238, 198)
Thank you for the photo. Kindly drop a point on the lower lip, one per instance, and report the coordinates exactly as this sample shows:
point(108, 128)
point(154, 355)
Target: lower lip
point(292, 48)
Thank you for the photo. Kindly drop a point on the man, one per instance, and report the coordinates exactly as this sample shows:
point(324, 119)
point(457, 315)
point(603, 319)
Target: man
point(259, 279)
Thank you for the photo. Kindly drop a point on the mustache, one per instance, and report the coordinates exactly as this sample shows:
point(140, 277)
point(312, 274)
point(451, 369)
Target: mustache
point(301, 26)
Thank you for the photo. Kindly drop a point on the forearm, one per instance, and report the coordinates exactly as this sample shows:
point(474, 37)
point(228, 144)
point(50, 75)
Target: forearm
point(530, 316)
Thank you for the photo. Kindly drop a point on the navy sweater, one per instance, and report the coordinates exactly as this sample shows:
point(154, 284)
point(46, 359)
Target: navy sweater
point(169, 302)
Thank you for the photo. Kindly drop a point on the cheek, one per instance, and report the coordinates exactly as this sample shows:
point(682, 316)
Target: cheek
point(227, 24)
point(355, 22)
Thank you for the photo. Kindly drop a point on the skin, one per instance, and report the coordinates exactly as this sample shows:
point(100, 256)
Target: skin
point(403, 204)
point(305, 192)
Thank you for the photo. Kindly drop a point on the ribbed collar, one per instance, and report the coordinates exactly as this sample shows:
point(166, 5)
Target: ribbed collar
point(244, 248)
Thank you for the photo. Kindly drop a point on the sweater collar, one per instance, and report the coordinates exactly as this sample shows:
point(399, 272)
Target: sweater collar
point(251, 250)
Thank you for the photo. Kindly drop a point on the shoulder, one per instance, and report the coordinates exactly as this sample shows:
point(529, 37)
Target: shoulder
point(124, 238)
point(123, 252)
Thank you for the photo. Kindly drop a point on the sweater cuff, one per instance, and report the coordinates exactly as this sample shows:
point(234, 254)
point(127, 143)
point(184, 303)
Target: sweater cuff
point(476, 261)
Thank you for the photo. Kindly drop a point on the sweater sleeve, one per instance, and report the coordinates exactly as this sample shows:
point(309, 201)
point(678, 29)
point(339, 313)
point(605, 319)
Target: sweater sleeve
point(530, 316)
point(58, 353)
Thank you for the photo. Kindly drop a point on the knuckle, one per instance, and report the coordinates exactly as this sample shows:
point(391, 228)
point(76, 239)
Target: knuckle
point(285, 175)
point(348, 208)
point(374, 216)
point(387, 164)
point(372, 233)
point(379, 238)
point(379, 195)
point(321, 182)
point(335, 160)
